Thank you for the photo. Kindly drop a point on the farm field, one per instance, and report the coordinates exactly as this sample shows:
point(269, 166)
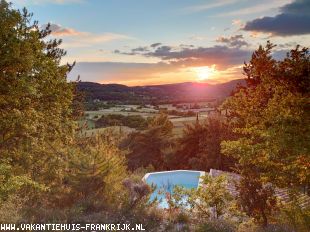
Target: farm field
point(99, 113)
point(117, 129)
point(179, 122)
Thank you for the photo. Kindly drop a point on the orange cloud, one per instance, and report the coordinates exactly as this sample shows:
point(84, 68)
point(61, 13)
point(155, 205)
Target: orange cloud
point(148, 74)
point(58, 30)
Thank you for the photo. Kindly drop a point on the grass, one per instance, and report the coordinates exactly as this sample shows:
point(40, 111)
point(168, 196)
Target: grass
point(93, 114)
point(178, 122)
point(92, 132)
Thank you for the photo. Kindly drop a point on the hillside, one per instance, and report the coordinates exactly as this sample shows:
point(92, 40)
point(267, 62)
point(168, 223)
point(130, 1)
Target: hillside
point(188, 91)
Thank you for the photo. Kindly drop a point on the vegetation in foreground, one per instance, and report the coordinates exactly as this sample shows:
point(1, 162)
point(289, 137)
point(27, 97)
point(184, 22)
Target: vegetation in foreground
point(48, 174)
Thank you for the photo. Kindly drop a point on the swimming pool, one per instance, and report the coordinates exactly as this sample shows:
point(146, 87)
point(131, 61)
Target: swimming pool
point(166, 181)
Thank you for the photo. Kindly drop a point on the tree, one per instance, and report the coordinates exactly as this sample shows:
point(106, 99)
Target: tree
point(200, 145)
point(36, 113)
point(272, 116)
point(163, 123)
point(96, 171)
point(255, 198)
point(148, 147)
point(192, 145)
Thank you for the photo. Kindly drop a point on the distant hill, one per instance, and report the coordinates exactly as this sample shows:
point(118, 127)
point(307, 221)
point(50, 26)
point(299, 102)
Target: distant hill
point(188, 91)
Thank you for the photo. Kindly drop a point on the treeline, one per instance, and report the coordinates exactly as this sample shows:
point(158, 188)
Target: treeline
point(97, 105)
point(179, 113)
point(49, 174)
point(132, 121)
point(156, 94)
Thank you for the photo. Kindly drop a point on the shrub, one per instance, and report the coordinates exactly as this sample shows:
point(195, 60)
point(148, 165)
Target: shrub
point(216, 226)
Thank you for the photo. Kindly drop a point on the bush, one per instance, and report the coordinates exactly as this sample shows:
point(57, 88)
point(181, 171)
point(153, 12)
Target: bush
point(10, 210)
point(216, 226)
point(294, 215)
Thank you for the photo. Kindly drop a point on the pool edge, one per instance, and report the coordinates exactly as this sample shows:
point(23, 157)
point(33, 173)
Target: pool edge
point(202, 174)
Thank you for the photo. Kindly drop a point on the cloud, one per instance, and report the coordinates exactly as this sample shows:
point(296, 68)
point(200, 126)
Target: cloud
point(40, 2)
point(233, 41)
point(187, 46)
point(237, 22)
point(294, 19)
point(144, 73)
point(297, 7)
point(288, 45)
point(145, 51)
point(209, 6)
point(58, 30)
point(260, 8)
point(73, 38)
point(197, 38)
point(160, 51)
point(117, 72)
point(140, 49)
point(222, 56)
point(154, 45)
point(174, 64)
point(86, 39)
point(189, 55)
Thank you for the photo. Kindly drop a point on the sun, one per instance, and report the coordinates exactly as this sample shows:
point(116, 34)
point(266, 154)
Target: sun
point(204, 73)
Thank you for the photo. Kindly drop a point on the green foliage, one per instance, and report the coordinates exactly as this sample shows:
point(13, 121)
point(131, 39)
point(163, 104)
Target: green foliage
point(149, 147)
point(216, 226)
point(132, 121)
point(200, 146)
point(11, 184)
point(272, 118)
point(36, 101)
point(211, 200)
point(138, 196)
point(295, 215)
point(136, 205)
point(146, 148)
point(163, 123)
point(46, 174)
point(179, 113)
point(97, 105)
point(11, 209)
point(49, 175)
point(255, 198)
point(96, 168)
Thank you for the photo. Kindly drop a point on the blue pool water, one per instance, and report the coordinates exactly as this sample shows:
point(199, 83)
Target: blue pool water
point(166, 181)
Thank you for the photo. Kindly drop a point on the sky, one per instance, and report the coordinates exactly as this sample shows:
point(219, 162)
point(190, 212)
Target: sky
point(147, 42)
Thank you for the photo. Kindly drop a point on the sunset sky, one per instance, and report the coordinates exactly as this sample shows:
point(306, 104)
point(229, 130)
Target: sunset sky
point(141, 42)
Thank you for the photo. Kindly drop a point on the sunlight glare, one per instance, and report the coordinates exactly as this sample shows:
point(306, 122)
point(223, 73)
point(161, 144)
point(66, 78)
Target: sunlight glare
point(204, 73)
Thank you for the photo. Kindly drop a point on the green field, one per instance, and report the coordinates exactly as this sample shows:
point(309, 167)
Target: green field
point(118, 129)
point(91, 116)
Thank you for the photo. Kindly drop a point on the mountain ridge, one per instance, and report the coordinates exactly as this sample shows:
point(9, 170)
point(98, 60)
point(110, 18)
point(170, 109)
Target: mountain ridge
point(189, 91)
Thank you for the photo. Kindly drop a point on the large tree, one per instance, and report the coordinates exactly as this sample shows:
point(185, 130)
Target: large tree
point(148, 148)
point(272, 116)
point(200, 145)
point(36, 113)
